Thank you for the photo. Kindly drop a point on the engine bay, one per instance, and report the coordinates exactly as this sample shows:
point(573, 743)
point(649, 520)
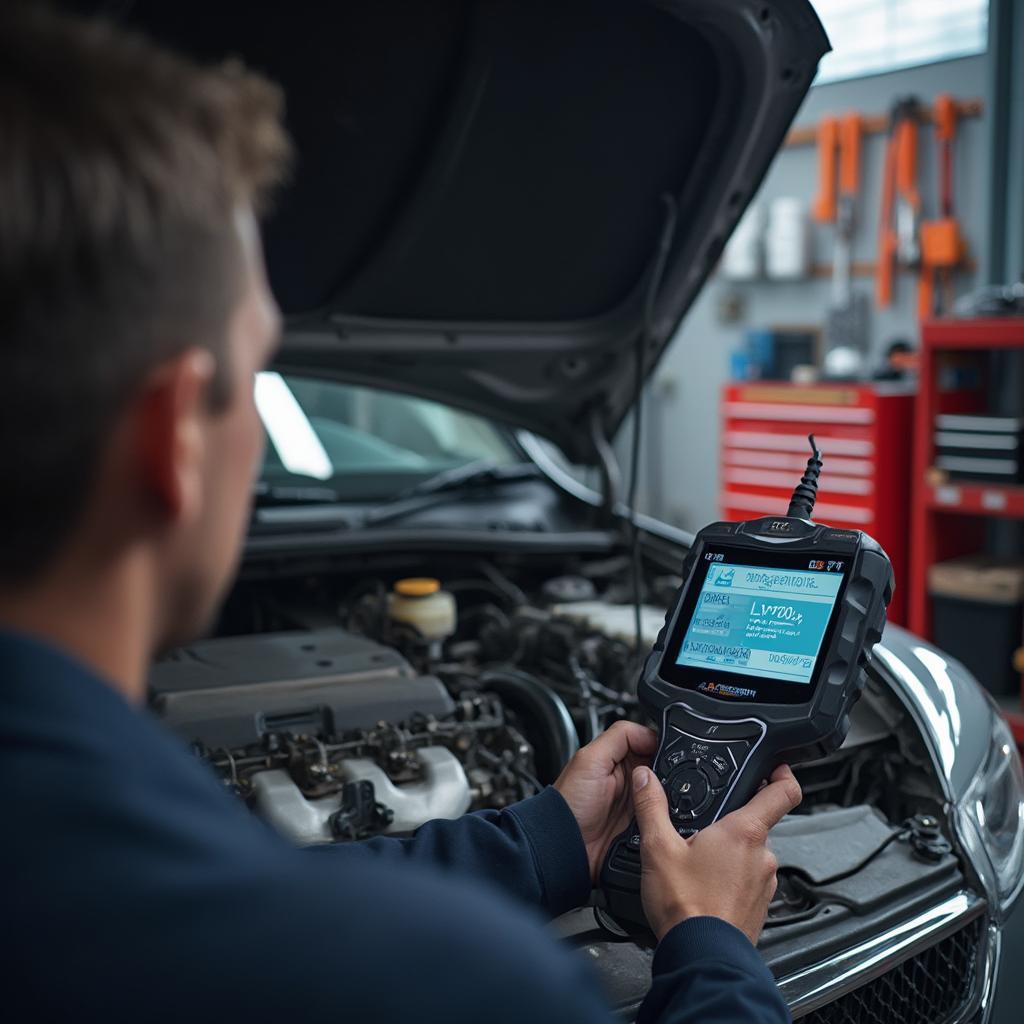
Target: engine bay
point(338, 714)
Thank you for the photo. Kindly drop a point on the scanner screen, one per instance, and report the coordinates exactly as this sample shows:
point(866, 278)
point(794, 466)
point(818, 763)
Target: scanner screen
point(761, 621)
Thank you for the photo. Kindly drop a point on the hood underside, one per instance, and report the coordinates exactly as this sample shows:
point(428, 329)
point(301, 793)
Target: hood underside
point(481, 185)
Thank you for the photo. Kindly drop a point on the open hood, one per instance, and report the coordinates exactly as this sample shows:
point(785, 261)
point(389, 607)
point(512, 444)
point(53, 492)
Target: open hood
point(479, 200)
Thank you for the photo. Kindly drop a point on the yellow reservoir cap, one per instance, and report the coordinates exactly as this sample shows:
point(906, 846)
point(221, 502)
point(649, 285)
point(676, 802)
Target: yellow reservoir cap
point(417, 586)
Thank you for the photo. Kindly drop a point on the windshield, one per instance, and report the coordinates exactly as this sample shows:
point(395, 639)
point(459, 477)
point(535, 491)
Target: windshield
point(363, 443)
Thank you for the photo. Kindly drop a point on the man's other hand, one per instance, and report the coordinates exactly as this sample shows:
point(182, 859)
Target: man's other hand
point(596, 785)
point(724, 871)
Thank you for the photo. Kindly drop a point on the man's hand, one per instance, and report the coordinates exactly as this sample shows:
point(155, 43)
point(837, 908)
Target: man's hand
point(596, 785)
point(724, 871)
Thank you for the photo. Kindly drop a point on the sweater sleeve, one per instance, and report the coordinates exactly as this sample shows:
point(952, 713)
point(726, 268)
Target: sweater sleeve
point(532, 850)
point(706, 970)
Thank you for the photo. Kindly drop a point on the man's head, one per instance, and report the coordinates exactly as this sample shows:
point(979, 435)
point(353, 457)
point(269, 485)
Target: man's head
point(133, 308)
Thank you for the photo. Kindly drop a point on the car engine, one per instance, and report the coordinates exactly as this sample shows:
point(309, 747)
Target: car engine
point(331, 736)
point(338, 714)
point(366, 726)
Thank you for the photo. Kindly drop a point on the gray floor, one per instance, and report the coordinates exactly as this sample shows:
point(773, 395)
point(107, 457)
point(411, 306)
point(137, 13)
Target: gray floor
point(1009, 1007)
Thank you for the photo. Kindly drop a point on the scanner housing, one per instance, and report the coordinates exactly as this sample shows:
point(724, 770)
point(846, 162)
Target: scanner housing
point(724, 723)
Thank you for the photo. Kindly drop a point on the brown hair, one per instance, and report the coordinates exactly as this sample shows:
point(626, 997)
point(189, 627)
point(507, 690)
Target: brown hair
point(121, 168)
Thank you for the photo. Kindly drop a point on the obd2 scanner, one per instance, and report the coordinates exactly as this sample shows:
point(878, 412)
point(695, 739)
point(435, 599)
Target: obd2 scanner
point(760, 660)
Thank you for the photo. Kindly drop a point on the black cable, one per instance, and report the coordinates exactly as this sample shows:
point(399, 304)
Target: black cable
point(801, 505)
point(590, 715)
point(634, 538)
point(495, 761)
point(808, 888)
point(643, 339)
point(459, 586)
point(903, 832)
point(500, 580)
point(529, 779)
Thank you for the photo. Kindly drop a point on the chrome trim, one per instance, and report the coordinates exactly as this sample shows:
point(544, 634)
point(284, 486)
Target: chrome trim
point(989, 973)
point(817, 986)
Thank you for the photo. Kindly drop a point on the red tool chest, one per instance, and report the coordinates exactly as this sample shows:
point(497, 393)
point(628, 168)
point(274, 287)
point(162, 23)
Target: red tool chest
point(864, 432)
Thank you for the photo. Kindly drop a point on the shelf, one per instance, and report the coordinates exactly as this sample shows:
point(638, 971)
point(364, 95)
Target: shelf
point(979, 499)
point(936, 495)
point(865, 268)
point(961, 335)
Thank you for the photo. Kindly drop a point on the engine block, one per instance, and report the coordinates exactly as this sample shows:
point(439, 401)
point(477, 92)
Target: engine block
point(331, 736)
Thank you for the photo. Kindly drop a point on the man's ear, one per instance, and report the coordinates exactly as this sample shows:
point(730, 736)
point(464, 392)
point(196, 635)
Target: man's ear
point(173, 412)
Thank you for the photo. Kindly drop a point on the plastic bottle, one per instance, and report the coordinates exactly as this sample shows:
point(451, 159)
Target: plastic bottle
point(421, 603)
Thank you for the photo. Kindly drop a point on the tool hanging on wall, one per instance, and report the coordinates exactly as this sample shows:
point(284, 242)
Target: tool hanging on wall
point(898, 238)
point(824, 209)
point(846, 328)
point(942, 246)
point(908, 200)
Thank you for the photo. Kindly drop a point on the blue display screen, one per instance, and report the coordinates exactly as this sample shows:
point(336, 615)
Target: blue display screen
point(760, 621)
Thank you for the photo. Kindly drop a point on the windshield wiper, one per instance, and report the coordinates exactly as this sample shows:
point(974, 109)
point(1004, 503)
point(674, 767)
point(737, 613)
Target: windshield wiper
point(294, 494)
point(482, 471)
point(437, 489)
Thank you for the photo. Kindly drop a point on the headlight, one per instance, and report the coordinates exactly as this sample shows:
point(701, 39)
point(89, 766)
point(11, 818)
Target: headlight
point(992, 814)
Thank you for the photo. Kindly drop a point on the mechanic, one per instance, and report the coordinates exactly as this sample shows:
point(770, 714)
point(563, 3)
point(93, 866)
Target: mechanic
point(134, 314)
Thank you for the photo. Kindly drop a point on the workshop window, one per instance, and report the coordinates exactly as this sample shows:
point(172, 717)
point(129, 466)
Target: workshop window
point(872, 36)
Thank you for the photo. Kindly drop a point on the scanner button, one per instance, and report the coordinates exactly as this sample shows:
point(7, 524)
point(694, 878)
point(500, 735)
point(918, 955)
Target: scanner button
point(673, 759)
point(723, 768)
point(689, 790)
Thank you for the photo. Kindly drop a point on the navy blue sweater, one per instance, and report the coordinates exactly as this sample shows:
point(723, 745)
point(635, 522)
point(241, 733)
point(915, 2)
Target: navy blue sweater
point(134, 888)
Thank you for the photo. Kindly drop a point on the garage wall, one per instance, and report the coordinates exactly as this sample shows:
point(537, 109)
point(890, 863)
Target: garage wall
point(680, 471)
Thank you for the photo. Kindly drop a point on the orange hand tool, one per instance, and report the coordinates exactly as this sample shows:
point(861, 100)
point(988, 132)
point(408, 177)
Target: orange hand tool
point(945, 133)
point(908, 202)
point(942, 246)
point(824, 209)
point(850, 132)
point(898, 242)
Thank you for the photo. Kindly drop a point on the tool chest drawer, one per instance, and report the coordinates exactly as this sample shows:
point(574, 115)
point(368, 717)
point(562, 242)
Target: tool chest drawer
point(864, 432)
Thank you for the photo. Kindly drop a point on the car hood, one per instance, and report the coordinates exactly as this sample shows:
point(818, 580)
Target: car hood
point(479, 199)
point(952, 709)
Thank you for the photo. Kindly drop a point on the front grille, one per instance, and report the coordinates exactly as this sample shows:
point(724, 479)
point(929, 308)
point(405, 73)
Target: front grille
point(932, 987)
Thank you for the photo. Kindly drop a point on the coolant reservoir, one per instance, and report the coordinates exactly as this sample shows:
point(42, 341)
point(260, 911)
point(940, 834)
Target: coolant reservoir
point(421, 603)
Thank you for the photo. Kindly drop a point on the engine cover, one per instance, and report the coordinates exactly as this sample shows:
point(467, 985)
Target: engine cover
point(230, 692)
